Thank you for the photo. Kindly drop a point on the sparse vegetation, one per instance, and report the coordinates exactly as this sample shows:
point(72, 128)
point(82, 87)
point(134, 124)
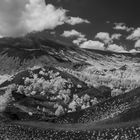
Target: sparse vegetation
point(118, 85)
point(51, 86)
point(6, 98)
point(11, 65)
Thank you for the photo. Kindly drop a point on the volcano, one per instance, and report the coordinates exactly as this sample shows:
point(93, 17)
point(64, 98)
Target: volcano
point(50, 90)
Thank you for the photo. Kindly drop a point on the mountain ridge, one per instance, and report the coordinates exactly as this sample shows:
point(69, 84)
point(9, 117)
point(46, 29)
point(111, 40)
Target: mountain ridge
point(56, 84)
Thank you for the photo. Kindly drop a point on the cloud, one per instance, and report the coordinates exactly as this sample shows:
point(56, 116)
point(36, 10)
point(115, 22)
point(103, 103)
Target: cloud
point(72, 33)
point(75, 34)
point(76, 20)
point(37, 16)
point(78, 41)
point(116, 36)
point(122, 26)
point(135, 35)
point(18, 17)
point(90, 44)
point(133, 51)
point(10, 16)
point(116, 48)
point(137, 44)
point(104, 36)
point(107, 38)
point(79, 37)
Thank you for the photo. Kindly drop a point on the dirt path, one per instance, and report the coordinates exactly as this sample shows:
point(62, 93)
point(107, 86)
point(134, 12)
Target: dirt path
point(69, 127)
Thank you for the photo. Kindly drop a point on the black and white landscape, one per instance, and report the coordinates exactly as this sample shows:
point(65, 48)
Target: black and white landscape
point(68, 74)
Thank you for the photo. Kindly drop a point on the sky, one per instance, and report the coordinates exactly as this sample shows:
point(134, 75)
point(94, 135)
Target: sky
point(112, 25)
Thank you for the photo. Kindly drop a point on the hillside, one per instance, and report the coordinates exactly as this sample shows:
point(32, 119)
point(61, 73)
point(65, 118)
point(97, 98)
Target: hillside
point(50, 90)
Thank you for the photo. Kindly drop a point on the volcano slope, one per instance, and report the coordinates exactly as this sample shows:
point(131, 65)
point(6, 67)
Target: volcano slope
point(107, 123)
point(54, 91)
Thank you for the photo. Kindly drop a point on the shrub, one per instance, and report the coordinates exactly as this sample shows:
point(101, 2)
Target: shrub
point(59, 111)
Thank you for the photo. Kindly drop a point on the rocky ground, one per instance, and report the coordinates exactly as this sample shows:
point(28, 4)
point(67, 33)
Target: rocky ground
point(52, 91)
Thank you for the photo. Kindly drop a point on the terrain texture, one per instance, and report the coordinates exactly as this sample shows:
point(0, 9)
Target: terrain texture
point(51, 91)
